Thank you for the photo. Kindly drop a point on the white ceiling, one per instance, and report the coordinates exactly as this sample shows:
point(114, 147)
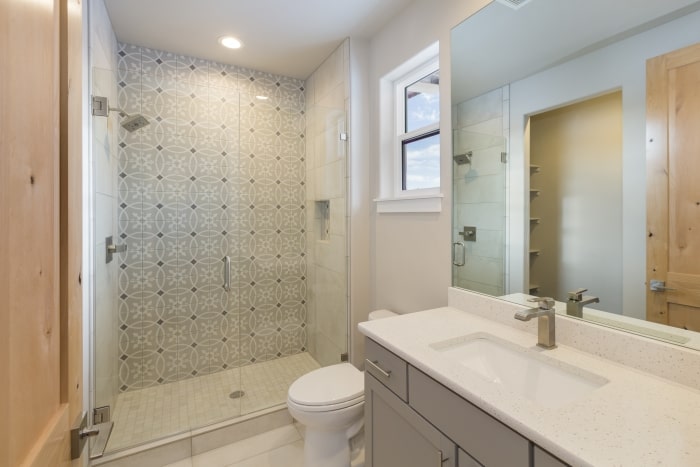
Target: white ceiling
point(286, 37)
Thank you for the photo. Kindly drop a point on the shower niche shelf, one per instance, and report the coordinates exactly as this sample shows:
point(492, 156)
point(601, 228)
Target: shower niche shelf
point(322, 218)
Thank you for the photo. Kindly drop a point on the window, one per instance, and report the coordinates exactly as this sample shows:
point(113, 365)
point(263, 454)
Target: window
point(418, 129)
point(409, 136)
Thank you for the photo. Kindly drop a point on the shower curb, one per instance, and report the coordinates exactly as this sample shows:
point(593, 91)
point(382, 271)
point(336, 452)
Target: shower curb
point(184, 445)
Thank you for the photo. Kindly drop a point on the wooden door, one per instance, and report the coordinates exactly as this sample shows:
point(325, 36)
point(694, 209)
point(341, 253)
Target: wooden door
point(40, 230)
point(673, 187)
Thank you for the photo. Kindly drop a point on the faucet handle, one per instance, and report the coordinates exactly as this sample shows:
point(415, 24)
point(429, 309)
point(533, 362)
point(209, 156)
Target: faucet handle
point(543, 303)
point(577, 295)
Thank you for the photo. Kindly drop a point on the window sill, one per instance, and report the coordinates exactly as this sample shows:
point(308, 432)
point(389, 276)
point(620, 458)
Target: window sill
point(406, 204)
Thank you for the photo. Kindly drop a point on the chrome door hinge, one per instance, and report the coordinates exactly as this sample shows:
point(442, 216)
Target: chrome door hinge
point(100, 107)
point(111, 248)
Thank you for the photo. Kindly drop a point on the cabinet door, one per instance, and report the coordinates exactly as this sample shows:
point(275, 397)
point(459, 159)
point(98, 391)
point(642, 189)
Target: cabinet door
point(396, 436)
point(481, 436)
point(465, 460)
point(544, 459)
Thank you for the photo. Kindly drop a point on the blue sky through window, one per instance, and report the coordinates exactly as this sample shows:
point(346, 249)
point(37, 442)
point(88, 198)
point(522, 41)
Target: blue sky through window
point(421, 154)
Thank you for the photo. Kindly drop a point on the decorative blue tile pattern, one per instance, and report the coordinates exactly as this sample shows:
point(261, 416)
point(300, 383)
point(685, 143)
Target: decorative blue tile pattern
point(217, 172)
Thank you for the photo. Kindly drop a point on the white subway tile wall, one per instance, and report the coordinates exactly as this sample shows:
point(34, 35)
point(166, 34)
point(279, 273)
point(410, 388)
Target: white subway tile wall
point(327, 177)
point(481, 126)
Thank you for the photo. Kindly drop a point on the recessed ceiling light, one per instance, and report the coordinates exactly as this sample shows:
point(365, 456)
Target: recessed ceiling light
point(230, 42)
point(262, 98)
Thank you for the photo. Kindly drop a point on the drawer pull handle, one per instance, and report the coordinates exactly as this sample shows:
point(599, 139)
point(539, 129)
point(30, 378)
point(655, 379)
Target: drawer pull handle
point(383, 372)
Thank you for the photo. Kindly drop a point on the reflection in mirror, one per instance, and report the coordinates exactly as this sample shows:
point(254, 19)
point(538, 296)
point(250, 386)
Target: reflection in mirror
point(564, 208)
point(576, 197)
point(479, 184)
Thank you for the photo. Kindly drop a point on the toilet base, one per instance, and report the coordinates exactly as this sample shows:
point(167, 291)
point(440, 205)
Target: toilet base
point(326, 449)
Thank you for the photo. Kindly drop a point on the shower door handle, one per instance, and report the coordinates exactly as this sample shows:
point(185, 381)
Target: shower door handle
point(454, 254)
point(227, 273)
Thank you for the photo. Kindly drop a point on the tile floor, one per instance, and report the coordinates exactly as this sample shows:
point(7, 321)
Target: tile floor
point(152, 413)
point(282, 447)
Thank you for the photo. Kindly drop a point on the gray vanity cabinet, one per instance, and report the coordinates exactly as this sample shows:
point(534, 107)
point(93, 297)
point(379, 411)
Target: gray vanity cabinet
point(398, 436)
point(544, 459)
point(412, 420)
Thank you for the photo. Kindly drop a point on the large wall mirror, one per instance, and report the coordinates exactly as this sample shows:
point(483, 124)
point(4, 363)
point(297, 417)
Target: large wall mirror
point(556, 153)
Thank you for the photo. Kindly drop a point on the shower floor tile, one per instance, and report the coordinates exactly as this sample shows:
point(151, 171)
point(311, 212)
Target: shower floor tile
point(148, 414)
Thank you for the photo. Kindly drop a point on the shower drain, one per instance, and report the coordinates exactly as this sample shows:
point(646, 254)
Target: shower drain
point(236, 394)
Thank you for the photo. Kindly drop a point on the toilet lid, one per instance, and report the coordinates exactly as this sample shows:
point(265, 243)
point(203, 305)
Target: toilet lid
point(328, 386)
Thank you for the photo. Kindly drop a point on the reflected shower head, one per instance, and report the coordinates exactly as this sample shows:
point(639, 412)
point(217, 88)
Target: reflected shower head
point(462, 159)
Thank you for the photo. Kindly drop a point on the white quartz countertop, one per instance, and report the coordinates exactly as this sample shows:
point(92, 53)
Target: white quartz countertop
point(636, 419)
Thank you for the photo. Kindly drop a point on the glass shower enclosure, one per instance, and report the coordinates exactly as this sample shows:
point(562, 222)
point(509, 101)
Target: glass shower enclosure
point(200, 244)
point(480, 183)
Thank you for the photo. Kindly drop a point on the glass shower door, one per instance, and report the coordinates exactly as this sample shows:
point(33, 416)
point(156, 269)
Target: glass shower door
point(167, 347)
point(479, 211)
point(213, 188)
point(105, 164)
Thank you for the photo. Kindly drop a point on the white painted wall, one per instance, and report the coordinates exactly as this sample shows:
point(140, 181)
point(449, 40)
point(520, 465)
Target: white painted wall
point(579, 151)
point(410, 252)
point(618, 66)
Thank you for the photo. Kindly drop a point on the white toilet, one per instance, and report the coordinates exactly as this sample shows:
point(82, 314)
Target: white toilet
point(330, 403)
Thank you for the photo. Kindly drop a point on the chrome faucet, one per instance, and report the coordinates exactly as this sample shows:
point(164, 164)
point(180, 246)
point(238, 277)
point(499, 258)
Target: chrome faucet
point(574, 307)
point(545, 321)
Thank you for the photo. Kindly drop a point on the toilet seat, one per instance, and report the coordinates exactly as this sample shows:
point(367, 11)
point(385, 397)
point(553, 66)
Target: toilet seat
point(326, 408)
point(330, 388)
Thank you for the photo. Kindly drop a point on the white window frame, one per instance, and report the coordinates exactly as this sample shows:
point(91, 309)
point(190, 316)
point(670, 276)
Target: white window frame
point(400, 86)
point(393, 198)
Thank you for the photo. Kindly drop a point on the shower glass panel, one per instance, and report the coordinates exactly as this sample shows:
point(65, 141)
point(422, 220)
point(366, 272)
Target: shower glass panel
point(105, 165)
point(166, 329)
point(327, 220)
point(213, 188)
point(479, 181)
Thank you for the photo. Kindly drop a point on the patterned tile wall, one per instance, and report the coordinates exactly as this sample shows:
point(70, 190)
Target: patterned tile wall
point(218, 172)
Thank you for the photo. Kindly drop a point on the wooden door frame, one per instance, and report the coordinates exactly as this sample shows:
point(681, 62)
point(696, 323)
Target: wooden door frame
point(40, 230)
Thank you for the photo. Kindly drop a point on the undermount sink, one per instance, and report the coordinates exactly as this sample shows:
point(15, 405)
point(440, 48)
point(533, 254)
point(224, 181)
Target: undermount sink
point(543, 380)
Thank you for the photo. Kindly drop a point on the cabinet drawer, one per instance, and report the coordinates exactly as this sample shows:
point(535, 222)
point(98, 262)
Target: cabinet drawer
point(386, 367)
point(483, 437)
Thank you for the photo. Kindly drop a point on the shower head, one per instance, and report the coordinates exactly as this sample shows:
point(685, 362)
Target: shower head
point(131, 122)
point(101, 108)
point(462, 159)
point(134, 122)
